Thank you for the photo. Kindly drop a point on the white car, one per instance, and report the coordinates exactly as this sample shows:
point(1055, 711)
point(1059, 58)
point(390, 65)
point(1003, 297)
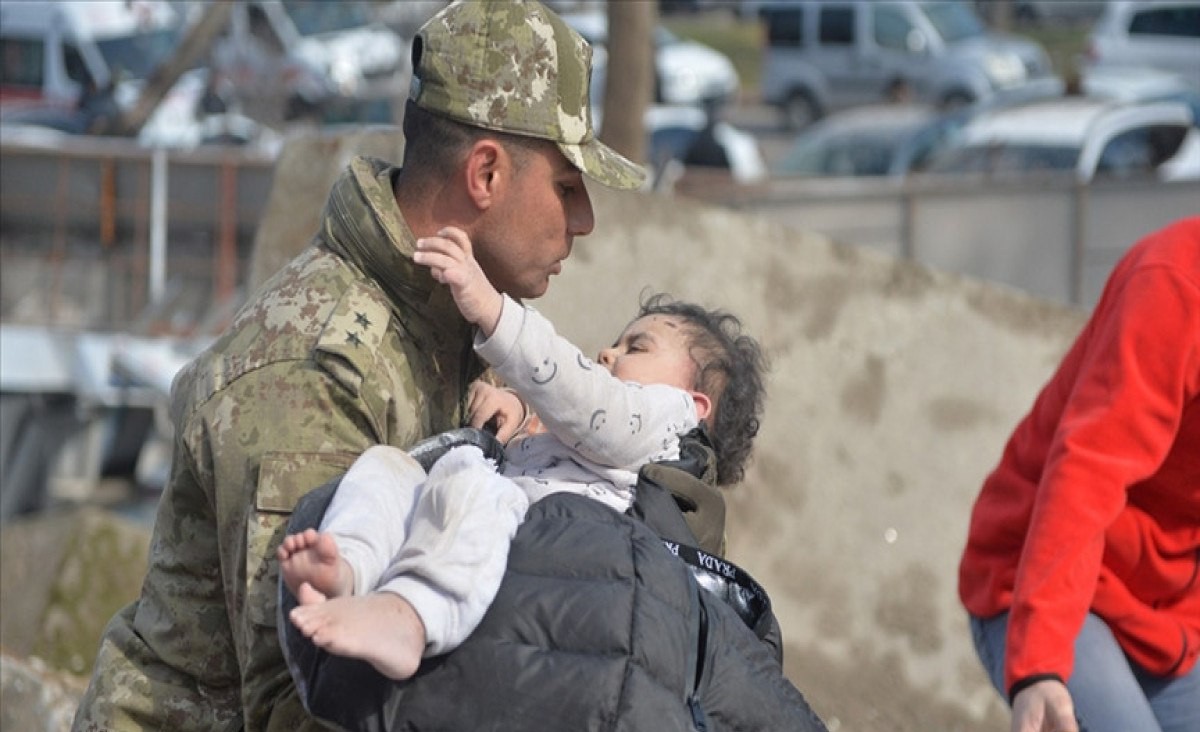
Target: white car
point(286, 59)
point(1090, 138)
point(1135, 84)
point(69, 65)
point(672, 131)
point(1161, 34)
point(686, 72)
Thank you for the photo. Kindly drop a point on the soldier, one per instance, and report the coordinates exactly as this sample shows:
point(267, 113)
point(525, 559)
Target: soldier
point(348, 346)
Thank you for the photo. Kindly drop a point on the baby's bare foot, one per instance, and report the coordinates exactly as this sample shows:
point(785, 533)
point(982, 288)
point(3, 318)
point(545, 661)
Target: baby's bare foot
point(380, 628)
point(312, 557)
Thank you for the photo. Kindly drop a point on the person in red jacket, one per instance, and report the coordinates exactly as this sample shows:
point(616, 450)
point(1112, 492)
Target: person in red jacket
point(1081, 571)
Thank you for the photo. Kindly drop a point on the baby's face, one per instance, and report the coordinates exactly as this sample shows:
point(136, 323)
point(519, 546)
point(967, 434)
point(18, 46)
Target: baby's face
point(654, 349)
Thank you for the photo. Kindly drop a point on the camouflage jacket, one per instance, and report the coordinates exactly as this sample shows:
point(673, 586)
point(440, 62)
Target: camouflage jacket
point(350, 345)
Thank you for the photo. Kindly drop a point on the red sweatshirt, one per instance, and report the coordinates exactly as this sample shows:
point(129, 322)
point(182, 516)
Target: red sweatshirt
point(1096, 501)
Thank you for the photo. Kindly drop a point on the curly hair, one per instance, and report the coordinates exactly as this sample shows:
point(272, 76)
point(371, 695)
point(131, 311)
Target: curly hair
point(730, 368)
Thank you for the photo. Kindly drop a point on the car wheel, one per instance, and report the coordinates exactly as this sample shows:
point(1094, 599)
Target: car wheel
point(799, 110)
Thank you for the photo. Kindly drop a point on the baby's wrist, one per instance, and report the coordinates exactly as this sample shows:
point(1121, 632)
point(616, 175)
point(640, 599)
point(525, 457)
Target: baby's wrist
point(490, 318)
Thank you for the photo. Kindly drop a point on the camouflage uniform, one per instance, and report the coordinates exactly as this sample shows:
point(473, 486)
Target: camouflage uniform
point(350, 345)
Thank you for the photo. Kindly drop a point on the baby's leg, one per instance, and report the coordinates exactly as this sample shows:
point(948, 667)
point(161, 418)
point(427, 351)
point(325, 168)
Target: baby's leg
point(442, 581)
point(370, 512)
point(451, 566)
point(380, 628)
point(313, 557)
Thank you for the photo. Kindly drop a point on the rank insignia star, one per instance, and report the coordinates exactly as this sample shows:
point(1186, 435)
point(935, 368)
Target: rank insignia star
point(362, 320)
point(353, 339)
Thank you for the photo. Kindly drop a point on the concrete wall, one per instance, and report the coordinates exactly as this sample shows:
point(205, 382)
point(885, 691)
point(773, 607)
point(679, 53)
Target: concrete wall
point(892, 392)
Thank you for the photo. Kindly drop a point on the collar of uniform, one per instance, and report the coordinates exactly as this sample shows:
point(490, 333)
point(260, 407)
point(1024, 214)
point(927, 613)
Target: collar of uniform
point(363, 224)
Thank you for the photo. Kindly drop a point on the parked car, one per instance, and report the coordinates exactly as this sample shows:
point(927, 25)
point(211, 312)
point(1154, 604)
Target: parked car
point(1161, 34)
point(67, 65)
point(826, 55)
point(873, 140)
point(1089, 138)
point(1135, 84)
point(678, 135)
point(286, 59)
point(686, 72)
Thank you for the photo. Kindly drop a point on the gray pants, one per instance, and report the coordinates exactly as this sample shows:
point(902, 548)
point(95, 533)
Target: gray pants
point(1110, 691)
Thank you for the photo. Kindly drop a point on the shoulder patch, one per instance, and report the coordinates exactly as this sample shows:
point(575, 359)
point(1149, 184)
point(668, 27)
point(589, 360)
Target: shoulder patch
point(347, 345)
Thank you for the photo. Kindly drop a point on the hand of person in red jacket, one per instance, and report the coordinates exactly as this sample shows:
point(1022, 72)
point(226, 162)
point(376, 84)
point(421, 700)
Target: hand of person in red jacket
point(1044, 707)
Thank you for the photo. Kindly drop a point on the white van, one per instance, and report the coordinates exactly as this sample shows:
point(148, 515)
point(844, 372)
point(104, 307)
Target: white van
point(50, 50)
point(827, 55)
point(58, 60)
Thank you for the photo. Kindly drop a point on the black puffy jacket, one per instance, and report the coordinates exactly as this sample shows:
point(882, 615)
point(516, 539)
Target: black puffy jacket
point(596, 626)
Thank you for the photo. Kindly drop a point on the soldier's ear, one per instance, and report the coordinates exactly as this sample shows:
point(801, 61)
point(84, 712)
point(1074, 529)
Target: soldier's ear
point(482, 171)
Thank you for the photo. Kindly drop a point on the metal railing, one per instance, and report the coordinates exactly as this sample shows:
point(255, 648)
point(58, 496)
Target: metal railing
point(1047, 235)
point(96, 232)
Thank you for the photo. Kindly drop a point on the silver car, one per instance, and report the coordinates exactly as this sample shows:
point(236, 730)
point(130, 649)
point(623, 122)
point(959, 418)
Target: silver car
point(1158, 34)
point(826, 55)
point(1089, 138)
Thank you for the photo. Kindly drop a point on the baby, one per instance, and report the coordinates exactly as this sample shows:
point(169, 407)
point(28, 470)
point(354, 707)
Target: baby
point(406, 564)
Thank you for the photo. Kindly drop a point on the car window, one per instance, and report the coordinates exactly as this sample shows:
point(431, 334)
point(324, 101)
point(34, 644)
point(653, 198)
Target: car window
point(1128, 154)
point(136, 56)
point(891, 28)
point(1183, 22)
point(312, 17)
point(74, 65)
point(1007, 159)
point(1139, 151)
point(22, 61)
point(835, 26)
point(827, 151)
point(923, 147)
point(785, 26)
point(262, 30)
point(861, 157)
point(953, 21)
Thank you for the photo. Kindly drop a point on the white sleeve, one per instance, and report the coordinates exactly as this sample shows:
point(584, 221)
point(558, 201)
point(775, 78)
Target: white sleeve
point(609, 421)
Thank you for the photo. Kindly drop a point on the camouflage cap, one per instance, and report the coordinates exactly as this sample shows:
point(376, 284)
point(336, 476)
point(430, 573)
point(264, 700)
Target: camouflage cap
point(514, 66)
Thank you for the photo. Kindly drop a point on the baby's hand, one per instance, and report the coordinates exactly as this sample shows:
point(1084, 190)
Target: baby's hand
point(487, 404)
point(451, 261)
